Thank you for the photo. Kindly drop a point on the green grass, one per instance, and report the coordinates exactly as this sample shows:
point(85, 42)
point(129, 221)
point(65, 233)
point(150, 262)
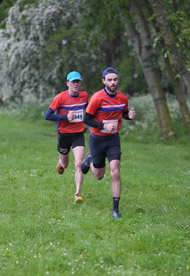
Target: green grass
point(42, 232)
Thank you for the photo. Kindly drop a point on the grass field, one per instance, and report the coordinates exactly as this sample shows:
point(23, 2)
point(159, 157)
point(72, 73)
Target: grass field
point(42, 231)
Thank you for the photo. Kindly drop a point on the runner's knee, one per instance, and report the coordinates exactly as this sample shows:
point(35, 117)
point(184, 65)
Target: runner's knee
point(115, 173)
point(98, 176)
point(78, 164)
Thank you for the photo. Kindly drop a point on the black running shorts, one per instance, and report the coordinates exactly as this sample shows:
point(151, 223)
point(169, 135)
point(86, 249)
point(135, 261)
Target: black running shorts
point(102, 147)
point(67, 140)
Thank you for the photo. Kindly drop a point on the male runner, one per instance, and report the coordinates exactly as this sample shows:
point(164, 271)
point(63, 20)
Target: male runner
point(70, 106)
point(104, 114)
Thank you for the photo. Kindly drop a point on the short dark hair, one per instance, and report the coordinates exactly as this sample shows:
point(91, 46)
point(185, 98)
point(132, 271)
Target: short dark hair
point(108, 71)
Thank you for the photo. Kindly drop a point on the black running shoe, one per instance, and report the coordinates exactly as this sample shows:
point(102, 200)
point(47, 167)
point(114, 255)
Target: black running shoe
point(116, 214)
point(86, 163)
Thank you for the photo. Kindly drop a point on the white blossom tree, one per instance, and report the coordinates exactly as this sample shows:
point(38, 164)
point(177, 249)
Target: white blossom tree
point(27, 68)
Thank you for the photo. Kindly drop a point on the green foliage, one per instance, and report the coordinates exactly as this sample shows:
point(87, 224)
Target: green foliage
point(5, 5)
point(131, 78)
point(108, 34)
point(44, 40)
point(145, 127)
point(179, 21)
point(42, 232)
point(31, 72)
point(26, 3)
point(177, 14)
point(71, 48)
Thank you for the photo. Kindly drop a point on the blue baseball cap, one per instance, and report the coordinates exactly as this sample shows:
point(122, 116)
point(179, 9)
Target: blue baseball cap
point(74, 76)
point(108, 71)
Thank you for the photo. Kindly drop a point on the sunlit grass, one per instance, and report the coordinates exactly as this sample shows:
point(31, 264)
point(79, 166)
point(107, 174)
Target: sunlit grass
point(42, 231)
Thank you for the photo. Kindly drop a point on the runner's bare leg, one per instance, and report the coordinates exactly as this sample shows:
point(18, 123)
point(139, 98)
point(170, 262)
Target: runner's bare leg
point(115, 176)
point(78, 155)
point(64, 160)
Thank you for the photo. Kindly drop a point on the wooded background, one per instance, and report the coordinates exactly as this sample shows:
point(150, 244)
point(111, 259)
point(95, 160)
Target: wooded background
point(147, 41)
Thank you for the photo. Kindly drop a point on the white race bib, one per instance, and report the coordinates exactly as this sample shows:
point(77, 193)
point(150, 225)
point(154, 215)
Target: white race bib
point(109, 121)
point(78, 116)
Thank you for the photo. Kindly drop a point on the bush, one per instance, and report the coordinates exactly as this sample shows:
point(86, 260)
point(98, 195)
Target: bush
point(146, 122)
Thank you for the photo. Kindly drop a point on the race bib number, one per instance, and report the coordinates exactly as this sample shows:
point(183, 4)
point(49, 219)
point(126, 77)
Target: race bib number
point(109, 121)
point(78, 116)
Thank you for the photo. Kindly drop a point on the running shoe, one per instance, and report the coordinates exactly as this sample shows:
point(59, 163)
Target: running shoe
point(116, 214)
point(78, 198)
point(86, 163)
point(59, 169)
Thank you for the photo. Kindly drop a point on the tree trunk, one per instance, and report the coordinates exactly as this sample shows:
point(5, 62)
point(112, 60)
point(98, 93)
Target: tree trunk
point(142, 46)
point(169, 40)
point(179, 94)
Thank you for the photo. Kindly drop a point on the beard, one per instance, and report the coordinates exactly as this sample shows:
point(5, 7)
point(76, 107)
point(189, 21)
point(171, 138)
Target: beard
point(111, 88)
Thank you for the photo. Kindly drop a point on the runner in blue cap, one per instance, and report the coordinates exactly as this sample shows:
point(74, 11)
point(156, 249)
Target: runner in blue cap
point(70, 106)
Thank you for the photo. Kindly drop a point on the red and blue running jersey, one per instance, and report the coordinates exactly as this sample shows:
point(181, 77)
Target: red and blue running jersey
point(105, 108)
point(63, 103)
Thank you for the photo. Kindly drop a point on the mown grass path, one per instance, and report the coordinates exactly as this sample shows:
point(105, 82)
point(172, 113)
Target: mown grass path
point(42, 231)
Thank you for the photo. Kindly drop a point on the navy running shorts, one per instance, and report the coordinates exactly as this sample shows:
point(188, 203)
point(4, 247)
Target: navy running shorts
point(67, 140)
point(102, 147)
